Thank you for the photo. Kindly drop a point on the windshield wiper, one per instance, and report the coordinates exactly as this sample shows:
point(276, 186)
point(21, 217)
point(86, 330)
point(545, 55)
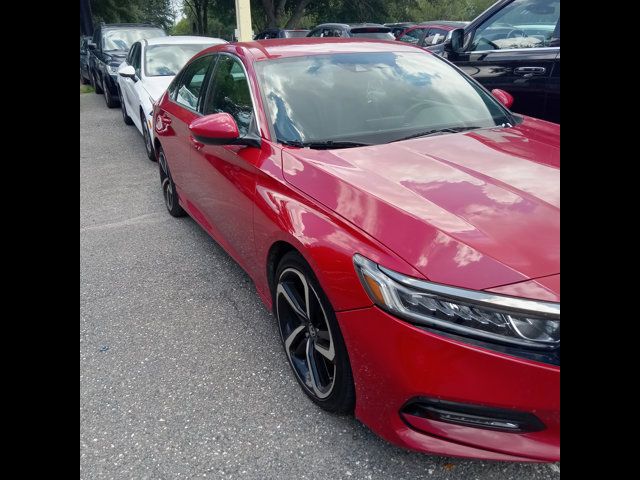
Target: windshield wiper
point(324, 145)
point(436, 131)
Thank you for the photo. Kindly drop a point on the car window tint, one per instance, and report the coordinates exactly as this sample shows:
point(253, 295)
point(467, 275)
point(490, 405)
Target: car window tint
point(412, 36)
point(521, 24)
point(189, 88)
point(229, 92)
point(316, 33)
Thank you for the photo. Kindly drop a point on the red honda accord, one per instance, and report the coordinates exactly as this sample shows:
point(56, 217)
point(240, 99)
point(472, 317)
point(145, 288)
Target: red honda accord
point(400, 222)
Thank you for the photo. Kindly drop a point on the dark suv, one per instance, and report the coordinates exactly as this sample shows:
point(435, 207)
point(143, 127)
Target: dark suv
point(358, 30)
point(513, 46)
point(109, 48)
point(280, 33)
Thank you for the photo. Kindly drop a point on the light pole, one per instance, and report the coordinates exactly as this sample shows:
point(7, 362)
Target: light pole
point(243, 20)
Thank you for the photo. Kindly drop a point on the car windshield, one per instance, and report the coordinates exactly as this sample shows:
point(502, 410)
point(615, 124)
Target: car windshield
point(373, 97)
point(123, 38)
point(166, 60)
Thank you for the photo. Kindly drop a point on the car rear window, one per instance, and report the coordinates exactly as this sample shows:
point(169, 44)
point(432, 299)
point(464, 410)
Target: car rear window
point(373, 32)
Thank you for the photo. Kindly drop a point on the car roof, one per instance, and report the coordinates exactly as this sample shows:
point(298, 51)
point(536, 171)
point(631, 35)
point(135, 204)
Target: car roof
point(184, 40)
point(107, 26)
point(350, 25)
point(296, 47)
point(445, 23)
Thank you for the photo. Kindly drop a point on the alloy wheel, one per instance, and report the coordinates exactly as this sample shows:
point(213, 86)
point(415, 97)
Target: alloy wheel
point(306, 333)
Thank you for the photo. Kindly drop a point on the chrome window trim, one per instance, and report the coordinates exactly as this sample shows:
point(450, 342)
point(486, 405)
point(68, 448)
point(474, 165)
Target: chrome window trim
point(533, 49)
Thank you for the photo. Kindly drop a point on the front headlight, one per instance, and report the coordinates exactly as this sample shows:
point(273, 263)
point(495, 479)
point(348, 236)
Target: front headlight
point(511, 321)
point(113, 70)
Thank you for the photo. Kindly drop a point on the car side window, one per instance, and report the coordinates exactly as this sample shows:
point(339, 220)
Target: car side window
point(316, 33)
point(229, 92)
point(189, 88)
point(521, 24)
point(435, 36)
point(412, 36)
point(136, 58)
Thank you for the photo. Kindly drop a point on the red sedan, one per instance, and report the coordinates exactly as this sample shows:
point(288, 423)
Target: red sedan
point(401, 223)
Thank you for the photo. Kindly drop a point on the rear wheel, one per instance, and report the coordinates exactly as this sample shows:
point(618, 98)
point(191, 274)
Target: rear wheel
point(151, 155)
point(168, 187)
point(311, 336)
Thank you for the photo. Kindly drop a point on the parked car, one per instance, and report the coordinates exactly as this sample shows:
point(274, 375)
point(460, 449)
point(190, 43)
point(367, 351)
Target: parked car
point(280, 33)
point(399, 27)
point(146, 73)
point(514, 45)
point(84, 60)
point(401, 223)
point(358, 30)
point(429, 33)
point(110, 46)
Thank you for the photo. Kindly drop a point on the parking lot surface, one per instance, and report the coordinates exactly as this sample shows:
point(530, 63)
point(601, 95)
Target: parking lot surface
point(182, 374)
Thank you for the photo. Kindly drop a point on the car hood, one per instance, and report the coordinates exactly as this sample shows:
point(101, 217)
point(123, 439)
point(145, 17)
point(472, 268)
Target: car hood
point(155, 86)
point(115, 57)
point(479, 209)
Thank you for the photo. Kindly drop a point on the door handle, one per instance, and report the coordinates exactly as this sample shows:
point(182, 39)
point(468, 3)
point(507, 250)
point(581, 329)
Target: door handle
point(196, 144)
point(529, 71)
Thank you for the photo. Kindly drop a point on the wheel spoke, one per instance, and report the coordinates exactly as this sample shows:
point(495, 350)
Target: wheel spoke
point(312, 369)
point(297, 332)
point(327, 353)
point(292, 299)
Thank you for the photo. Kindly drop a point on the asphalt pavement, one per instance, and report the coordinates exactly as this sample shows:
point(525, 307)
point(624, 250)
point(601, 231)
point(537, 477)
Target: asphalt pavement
point(182, 374)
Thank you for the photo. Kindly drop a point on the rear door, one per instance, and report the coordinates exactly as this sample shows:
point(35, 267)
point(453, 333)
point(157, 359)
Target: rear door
point(514, 49)
point(172, 122)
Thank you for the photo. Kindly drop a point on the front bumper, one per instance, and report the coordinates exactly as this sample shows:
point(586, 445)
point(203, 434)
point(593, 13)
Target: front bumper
point(394, 362)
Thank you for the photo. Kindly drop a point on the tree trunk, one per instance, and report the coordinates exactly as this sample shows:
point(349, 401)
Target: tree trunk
point(271, 14)
point(297, 15)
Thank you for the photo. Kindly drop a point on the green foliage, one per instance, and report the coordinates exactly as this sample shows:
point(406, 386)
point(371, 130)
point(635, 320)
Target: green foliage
point(221, 13)
point(157, 12)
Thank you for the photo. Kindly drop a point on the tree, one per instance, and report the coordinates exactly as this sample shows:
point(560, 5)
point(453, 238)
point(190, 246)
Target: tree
point(199, 11)
point(284, 13)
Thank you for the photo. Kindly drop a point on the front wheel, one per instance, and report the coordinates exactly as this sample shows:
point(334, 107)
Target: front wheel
point(108, 97)
point(123, 107)
point(311, 336)
point(168, 187)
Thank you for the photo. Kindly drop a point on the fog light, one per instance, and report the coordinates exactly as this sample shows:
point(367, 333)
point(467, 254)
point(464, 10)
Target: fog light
point(476, 416)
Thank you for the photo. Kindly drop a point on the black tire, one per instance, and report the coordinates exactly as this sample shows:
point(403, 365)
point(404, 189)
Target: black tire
point(108, 98)
point(151, 154)
point(94, 83)
point(311, 336)
point(169, 191)
point(123, 108)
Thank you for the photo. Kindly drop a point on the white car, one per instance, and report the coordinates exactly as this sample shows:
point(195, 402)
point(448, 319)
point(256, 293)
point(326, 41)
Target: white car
point(147, 72)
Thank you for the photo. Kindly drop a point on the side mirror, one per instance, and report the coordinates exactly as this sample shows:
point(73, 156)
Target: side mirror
point(128, 72)
point(505, 98)
point(220, 129)
point(91, 46)
point(455, 41)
